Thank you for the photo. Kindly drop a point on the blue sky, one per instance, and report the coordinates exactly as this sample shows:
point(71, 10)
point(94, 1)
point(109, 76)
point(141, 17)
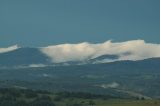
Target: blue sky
point(47, 22)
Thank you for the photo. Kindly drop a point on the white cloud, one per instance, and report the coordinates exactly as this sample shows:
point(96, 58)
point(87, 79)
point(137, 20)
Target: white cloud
point(129, 50)
point(111, 85)
point(37, 65)
point(8, 49)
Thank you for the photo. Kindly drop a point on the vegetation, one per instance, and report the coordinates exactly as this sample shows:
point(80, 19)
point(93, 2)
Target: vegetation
point(25, 97)
point(118, 78)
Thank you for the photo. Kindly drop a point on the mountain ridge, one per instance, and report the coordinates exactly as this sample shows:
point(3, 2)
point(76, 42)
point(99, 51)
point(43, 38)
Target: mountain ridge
point(33, 57)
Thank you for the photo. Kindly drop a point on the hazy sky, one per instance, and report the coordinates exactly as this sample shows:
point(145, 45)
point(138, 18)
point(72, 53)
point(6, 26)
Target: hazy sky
point(46, 22)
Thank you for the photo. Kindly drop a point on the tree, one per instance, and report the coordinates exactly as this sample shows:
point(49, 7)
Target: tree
point(91, 103)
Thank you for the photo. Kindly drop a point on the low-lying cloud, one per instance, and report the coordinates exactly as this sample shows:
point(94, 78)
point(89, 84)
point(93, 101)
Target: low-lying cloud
point(8, 49)
point(111, 85)
point(37, 65)
point(129, 50)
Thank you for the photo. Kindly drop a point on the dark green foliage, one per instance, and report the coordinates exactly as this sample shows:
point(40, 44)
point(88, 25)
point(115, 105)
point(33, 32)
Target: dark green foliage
point(26, 97)
point(74, 104)
point(30, 94)
point(82, 95)
point(42, 103)
point(58, 98)
point(67, 99)
point(19, 97)
point(43, 97)
point(13, 92)
point(91, 103)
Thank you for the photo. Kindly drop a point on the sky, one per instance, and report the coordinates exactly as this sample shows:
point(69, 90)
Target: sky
point(37, 23)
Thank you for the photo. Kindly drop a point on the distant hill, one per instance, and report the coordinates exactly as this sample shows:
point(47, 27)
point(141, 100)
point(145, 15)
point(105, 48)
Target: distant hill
point(34, 56)
point(23, 57)
point(136, 78)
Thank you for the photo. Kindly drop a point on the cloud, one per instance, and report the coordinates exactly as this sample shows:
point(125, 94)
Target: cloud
point(129, 50)
point(111, 85)
point(37, 65)
point(8, 49)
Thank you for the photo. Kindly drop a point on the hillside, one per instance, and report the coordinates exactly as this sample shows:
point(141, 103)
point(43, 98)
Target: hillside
point(134, 78)
point(26, 97)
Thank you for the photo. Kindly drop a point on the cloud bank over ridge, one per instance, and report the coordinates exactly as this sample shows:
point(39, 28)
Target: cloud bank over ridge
point(128, 50)
point(8, 49)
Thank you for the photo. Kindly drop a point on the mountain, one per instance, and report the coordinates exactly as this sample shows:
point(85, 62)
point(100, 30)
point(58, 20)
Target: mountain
point(135, 78)
point(104, 58)
point(57, 68)
point(34, 57)
point(23, 57)
point(78, 54)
